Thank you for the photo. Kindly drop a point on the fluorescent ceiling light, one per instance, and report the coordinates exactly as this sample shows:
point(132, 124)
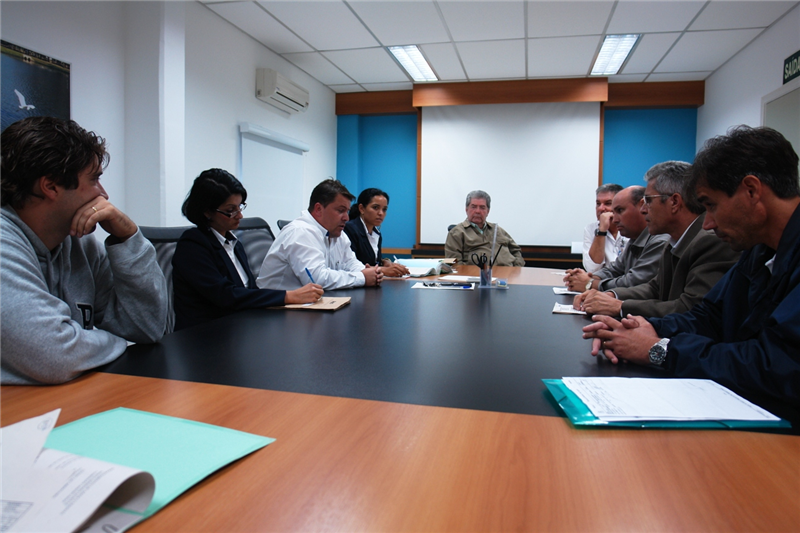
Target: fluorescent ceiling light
point(613, 54)
point(410, 58)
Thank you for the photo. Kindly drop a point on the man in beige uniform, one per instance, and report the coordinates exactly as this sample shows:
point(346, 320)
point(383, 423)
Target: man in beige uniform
point(475, 236)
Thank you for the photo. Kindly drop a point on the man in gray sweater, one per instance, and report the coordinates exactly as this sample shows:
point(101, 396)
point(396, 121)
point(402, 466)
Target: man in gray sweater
point(69, 303)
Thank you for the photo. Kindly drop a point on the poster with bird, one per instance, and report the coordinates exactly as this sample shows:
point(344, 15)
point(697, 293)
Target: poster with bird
point(33, 84)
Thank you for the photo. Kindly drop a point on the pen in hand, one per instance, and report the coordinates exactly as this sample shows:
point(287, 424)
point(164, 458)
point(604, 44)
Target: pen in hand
point(310, 276)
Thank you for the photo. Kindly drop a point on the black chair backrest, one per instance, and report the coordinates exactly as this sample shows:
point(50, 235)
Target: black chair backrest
point(450, 227)
point(164, 241)
point(282, 223)
point(256, 236)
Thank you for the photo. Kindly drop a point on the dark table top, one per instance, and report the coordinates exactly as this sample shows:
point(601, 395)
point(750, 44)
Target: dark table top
point(481, 349)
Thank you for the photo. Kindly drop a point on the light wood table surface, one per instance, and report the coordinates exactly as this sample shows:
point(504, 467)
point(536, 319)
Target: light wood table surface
point(550, 277)
point(356, 465)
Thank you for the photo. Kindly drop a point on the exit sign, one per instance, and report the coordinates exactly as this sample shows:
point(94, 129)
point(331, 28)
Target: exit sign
point(791, 67)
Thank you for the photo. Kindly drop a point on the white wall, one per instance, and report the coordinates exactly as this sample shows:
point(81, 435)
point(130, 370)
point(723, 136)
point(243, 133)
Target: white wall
point(221, 65)
point(124, 56)
point(733, 93)
point(89, 36)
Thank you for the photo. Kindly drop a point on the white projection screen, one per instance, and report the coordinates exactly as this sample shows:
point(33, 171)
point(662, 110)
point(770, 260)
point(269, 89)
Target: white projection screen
point(538, 162)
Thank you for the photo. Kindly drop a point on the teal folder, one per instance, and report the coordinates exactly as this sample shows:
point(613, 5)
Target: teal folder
point(580, 415)
point(177, 452)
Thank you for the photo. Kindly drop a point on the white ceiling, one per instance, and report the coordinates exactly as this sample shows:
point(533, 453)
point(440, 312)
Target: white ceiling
point(342, 43)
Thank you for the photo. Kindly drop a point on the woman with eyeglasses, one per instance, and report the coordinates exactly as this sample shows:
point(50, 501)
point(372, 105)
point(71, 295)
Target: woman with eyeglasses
point(211, 277)
point(363, 229)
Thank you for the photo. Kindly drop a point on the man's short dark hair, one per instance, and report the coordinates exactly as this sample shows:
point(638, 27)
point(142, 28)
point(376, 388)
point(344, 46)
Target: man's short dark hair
point(637, 193)
point(209, 191)
point(762, 152)
point(36, 147)
point(608, 187)
point(674, 177)
point(326, 192)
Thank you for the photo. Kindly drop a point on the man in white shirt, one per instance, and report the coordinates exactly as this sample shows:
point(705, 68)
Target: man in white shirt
point(313, 249)
point(602, 242)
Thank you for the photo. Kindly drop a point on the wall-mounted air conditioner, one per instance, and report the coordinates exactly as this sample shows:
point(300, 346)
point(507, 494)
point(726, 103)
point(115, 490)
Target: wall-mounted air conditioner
point(277, 90)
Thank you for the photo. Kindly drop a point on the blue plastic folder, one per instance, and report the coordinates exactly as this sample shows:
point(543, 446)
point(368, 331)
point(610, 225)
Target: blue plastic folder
point(580, 415)
point(177, 452)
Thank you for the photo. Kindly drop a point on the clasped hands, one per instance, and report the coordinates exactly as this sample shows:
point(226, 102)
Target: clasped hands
point(627, 340)
point(576, 279)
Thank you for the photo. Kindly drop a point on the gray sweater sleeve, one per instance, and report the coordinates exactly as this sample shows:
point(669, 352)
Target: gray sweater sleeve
point(643, 269)
point(42, 342)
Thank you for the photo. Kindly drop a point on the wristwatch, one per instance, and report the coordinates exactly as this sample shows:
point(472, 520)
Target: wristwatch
point(589, 284)
point(658, 352)
point(599, 233)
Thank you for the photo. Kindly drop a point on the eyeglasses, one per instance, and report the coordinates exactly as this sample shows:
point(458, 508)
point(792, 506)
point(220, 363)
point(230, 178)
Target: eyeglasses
point(648, 198)
point(231, 214)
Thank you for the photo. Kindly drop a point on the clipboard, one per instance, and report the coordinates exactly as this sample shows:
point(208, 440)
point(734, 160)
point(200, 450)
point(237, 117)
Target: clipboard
point(323, 304)
point(582, 417)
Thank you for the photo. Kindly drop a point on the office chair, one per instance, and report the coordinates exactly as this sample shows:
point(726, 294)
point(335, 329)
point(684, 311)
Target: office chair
point(282, 223)
point(164, 241)
point(450, 227)
point(256, 236)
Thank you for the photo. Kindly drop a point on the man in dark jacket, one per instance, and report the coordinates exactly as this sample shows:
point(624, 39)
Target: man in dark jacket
point(745, 334)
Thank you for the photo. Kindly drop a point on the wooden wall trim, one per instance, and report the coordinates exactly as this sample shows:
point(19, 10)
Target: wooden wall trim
point(374, 103)
point(658, 94)
point(511, 92)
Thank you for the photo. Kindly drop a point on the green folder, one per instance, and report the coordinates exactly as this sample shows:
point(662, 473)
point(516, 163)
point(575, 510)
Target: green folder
point(580, 415)
point(177, 452)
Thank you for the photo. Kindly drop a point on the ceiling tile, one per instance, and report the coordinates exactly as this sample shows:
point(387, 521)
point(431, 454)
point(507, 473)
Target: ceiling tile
point(627, 78)
point(679, 76)
point(717, 47)
point(371, 65)
point(493, 59)
point(649, 51)
point(347, 88)
point(318, 67)
point(483, 20)
point(556, 19)
point(647, 17)
point(324, 25)
point(388, 86)
point(260, 25)
point(734, 15)
point(565, 56)
point(395, 23)
point(444, 61)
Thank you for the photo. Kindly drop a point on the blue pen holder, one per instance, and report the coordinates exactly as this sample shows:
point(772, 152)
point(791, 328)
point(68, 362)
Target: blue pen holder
point(486, 277)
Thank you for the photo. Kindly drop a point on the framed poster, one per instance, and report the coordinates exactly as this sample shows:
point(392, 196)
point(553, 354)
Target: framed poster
point(33, 84)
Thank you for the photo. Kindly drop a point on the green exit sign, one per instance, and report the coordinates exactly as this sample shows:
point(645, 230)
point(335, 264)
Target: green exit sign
point(791, 67)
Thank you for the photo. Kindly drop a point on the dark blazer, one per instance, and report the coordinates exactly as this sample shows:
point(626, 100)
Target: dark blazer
point(359, 242)
point(206, 282)
point(685, 274)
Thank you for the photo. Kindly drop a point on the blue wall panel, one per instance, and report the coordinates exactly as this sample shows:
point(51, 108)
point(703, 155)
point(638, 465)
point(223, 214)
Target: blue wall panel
point(381, 151)
point(636, 139)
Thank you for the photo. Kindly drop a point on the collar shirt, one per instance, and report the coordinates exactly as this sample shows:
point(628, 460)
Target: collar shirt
point(305, 244)
point(613, 248)
point(228, 244)
point(466, 239)
point(637, 264)
point(374, 237)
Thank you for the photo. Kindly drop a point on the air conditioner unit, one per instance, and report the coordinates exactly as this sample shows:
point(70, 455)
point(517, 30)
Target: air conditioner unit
point(277, 90)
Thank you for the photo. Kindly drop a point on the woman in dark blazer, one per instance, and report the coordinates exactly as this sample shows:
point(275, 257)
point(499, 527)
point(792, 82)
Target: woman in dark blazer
point(211, 276)
point(363, 229)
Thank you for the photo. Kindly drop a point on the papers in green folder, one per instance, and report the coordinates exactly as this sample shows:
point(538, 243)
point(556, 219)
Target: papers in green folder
point(177, 452)
point(656, 403)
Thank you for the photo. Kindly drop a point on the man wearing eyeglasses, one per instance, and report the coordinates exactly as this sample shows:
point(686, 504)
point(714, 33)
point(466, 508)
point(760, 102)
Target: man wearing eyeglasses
point(745, 334)
point(693, 261)
point(69, 302)
point(638, 261)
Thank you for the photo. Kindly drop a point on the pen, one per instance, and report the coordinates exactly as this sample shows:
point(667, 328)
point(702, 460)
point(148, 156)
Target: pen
point(310, 276)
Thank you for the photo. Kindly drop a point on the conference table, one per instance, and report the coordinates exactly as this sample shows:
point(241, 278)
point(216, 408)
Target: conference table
point(423, 410)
